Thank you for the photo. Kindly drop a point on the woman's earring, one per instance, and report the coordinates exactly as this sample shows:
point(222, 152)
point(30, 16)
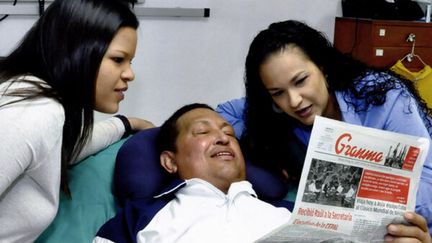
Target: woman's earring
point(276, 108)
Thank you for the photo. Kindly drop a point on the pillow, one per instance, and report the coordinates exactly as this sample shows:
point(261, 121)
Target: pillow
point(92, 204)
point(267, 185)
point(138, 173)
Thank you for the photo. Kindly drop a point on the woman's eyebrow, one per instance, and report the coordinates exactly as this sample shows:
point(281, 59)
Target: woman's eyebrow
point(298, 75)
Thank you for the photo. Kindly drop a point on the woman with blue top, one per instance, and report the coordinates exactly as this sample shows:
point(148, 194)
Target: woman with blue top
point(293, 73)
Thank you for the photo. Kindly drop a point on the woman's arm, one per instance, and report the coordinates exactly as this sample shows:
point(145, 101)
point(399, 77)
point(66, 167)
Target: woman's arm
point(110, 131)
point(138, 124)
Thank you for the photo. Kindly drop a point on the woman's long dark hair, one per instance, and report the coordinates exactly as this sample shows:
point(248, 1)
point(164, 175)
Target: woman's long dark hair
point(65, 48)
point(268, 139)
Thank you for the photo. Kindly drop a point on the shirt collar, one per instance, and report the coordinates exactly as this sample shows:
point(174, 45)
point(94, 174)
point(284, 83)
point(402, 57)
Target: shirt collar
point(174, 186)
point(235, 189)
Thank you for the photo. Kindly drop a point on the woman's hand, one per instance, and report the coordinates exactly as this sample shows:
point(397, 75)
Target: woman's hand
point(138, 124)
point(416, 232)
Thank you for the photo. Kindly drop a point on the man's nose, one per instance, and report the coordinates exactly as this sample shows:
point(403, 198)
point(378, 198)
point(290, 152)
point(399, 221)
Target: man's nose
point(222, 138)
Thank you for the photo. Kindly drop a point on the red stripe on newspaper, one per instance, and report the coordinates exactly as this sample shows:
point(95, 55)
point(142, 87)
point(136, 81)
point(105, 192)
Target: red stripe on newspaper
point(411, 158)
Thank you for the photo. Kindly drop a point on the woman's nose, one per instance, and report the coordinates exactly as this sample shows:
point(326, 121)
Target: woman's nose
point(294, 99)
point(128, 74)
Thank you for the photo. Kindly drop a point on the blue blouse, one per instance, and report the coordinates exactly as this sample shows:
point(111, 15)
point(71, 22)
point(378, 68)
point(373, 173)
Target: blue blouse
point(399, 114)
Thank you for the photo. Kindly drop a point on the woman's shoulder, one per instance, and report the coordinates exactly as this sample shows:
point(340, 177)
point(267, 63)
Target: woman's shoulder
point(374, 87)
point(375, 92)
point(373, 79)
point(24, 84)
point(40, 110)
point(385, 101)
point(233, 111)
point(23, 81)
point(234, 106)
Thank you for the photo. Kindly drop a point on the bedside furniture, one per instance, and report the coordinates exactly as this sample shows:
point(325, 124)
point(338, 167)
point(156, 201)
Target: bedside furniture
point(380, 43)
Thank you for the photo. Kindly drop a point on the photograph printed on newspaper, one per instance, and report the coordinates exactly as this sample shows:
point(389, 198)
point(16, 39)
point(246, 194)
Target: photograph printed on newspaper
point(355, 181)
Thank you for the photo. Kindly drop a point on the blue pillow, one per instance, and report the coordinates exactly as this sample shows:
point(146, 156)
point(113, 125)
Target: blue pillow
point(267, 185)
point(138, 173)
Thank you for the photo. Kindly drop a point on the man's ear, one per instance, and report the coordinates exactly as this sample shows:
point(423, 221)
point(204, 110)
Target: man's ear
point(167, 160)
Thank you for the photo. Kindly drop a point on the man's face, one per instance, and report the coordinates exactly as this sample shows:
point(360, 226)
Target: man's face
point(207, 149)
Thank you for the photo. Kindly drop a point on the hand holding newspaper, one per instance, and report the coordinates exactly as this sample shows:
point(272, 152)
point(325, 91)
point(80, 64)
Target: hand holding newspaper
point(355, 181)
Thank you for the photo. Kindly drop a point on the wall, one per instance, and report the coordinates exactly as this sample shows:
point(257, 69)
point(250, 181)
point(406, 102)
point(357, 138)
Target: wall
point(184, 60)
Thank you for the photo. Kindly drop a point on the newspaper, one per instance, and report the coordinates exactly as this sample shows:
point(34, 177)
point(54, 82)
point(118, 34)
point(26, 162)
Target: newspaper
point(355, 181)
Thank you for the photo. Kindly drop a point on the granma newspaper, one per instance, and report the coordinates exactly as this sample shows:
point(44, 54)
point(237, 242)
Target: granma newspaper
point(355, 181)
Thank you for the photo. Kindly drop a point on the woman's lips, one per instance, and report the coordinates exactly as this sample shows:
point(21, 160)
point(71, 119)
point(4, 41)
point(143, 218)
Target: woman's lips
point(305, 112)
point(120, 92)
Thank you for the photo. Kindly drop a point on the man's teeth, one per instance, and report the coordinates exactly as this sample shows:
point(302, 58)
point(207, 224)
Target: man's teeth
point(223, 154)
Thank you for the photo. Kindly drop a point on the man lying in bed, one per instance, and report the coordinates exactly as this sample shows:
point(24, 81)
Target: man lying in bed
point(211, 201)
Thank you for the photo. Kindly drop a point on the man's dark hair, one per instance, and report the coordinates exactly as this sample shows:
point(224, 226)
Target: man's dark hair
point(166, 139)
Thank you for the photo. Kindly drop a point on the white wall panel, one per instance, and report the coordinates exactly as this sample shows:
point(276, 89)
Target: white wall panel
point(180, 60)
